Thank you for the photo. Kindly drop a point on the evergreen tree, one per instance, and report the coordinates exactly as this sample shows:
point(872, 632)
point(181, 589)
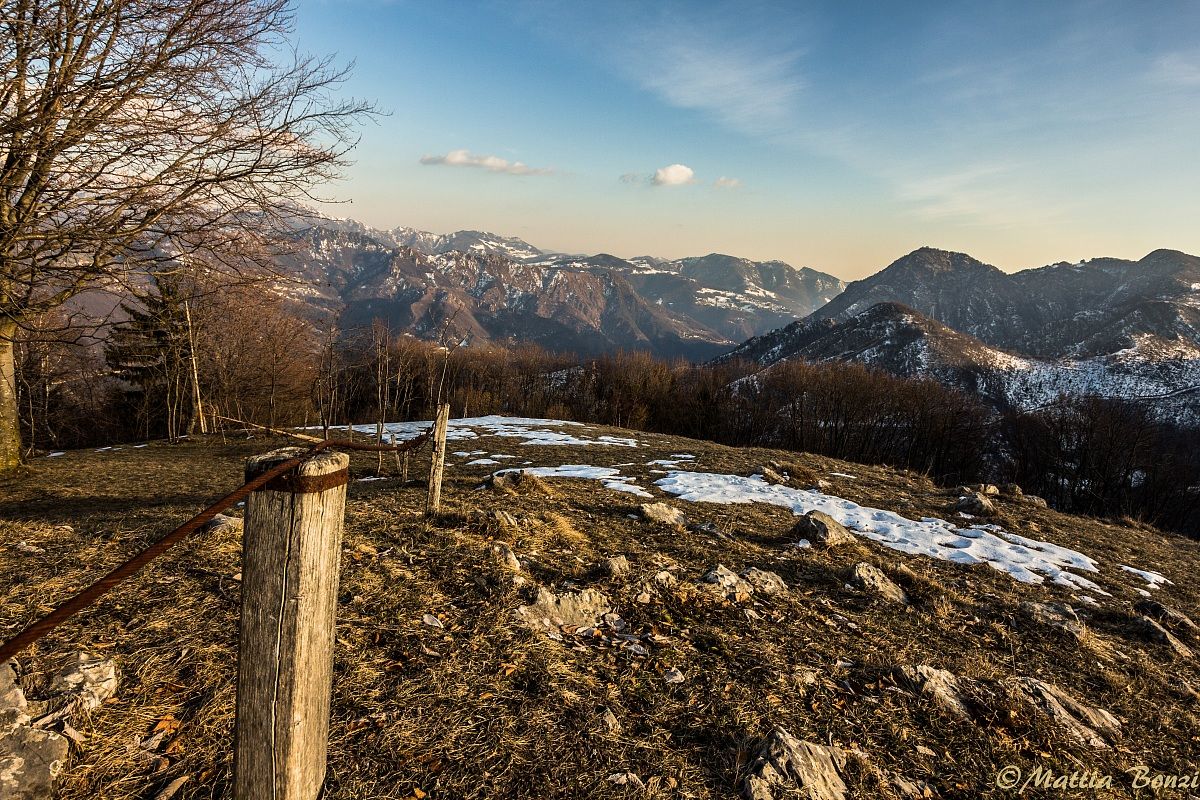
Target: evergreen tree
point(151, 353)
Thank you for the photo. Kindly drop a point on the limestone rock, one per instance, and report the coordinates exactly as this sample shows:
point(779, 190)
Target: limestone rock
point(976, 503)
point(728, 584)
point(1078, 720)
point(615, 567)
point(871, 579)
point(1011, 490)
point(607, 722)
point(664, 580)
point(1170, 618)
point(941, 686)
point(822, 529)
point(786, 767)
point(1033, 500)
point(1155, 632)
point(576, 609)
point(1055, 615)
point(30, 758)
point(764, 582)
point(663, 514)
point(83, 683)
point(771, 476)
point(505, 556)
point(222, 524)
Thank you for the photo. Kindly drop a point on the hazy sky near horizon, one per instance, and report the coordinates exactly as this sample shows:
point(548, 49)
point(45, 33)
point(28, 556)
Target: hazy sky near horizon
point(827, 134)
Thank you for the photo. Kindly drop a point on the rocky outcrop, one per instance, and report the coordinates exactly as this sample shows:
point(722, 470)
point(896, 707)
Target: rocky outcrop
point(821, 529)
point(786, 767)
point(944, 688)
point(872, 580)
point(1084, 723)
point(575, 609)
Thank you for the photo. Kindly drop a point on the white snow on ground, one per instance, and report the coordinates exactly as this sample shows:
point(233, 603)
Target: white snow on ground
point(1026, 560)
point(531, 431)
point(1153, 580)
point(612, 478)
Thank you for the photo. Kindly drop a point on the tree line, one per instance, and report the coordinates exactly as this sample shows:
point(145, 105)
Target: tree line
point(186, 355)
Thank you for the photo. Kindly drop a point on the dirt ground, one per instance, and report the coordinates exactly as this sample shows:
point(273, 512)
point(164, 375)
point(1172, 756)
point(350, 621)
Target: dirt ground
point(486, 707)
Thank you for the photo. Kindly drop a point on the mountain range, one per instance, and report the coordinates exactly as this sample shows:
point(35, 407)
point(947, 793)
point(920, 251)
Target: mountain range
point(482, 287)
point(1110, 327)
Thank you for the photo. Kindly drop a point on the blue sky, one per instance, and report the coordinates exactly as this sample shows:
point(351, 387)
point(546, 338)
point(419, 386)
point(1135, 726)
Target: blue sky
point(833, 135)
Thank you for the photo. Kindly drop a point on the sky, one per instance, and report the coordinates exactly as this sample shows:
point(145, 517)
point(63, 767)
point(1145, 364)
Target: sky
point(836, 135)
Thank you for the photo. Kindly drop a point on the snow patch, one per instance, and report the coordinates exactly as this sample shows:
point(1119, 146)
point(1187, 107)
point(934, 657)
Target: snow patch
point(611, 478)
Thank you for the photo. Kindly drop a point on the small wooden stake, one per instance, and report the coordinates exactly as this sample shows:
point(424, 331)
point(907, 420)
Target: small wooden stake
point(439, 460)
point(290, 554)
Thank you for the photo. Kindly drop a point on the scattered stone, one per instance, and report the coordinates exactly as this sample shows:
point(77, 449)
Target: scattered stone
point(1033, 500)
point(1082, 722)
point(673, 675)
point(222, 524)
point(1172, 619)
point(989, 489)
point(626, 779)
point(663, 514)
point(83, 683)
point(430, 621)
point(1155, 632)
point(664, 579)
point(822, 529)
point(871, 579)
point(608, 722)
point(553, 611)
point(771, 476)
point(764, 582)
point(29, 549)
point(505, 556)
point(518, 482)
point(820, 486)
point(941, 686)
point(1055, 615)
point(975, 503)
point(643, 598)
point(728, 583)
point(615, 567)
point(1011, 490)
point(786, 767)
point(30, 758)
point(908, 789)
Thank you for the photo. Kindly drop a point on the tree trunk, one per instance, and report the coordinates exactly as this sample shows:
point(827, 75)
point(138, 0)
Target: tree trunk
point(10, 415)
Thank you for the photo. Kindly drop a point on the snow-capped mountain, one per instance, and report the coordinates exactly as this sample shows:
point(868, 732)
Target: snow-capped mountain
point(1079, 310)
point(899, 340)
point(486, 287)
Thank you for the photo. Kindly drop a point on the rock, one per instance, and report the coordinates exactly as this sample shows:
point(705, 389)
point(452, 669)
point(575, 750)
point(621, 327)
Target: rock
point(505, 556)
point(663, 514)
point(607, 722)
point(615, 567)
point(1055, 615)
point(518, 482)
point(771, 476)
point(975, 503)
point(577, 609)
point(30, 758)
point(871, 579)
point(822, 529)
point(1170, 618)
point(664, 579)
point(820, 485)
point(1155, 632)
point(988, 489)
point(83, 683)
point(1079, 721)
point(941, 686)
point(764, 582)
point(728, 584)
point(786, 767)
point(430, 621)
point(1033, 500)
point(1011, 490)
point(673, 675)
point(222, 524)
point(626, 779)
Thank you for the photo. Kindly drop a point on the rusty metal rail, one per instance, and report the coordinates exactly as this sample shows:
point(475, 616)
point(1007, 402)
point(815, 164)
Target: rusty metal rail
point(116, 577)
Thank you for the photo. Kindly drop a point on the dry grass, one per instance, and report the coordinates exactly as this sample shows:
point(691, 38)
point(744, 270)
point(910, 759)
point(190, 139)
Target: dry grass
point(485, 708)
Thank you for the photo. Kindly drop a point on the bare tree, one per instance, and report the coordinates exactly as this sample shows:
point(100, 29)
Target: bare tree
point(142, 130)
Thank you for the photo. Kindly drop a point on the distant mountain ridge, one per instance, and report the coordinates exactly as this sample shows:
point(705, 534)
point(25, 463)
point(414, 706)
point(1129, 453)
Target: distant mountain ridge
point(484, 287)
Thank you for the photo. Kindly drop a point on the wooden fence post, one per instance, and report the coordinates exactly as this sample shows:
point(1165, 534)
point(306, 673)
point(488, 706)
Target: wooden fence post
point(438, 465)
point(290, 554)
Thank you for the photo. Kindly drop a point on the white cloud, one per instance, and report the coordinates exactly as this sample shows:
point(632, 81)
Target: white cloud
point(465, 158)
point(727, 183)
point(673, 175)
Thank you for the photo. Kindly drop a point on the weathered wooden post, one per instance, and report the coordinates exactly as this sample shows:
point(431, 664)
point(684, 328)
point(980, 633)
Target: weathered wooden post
point(438, 465)
point(290, 554)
